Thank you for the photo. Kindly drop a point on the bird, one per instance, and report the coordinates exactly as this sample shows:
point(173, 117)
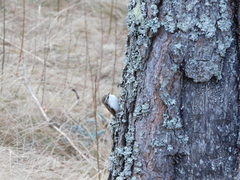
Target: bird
point(111, 102)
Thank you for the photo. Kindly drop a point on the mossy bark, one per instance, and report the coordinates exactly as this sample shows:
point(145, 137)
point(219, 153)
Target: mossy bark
point(179, 114)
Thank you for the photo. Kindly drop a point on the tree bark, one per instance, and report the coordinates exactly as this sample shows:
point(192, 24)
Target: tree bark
point(179, 114)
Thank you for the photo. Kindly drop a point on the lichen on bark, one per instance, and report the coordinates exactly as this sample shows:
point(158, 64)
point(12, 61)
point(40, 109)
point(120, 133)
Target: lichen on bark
point(202, 34)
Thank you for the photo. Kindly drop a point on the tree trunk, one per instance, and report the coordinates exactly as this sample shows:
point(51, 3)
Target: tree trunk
point(179, 114)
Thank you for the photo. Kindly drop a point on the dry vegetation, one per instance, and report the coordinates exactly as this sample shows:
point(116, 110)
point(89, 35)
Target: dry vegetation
point(47, 49)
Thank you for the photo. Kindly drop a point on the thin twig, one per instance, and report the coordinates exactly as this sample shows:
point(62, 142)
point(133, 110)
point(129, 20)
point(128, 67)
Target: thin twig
point(96, 125)
point(111, 18)
point(4, 34)
point(77, 101)
point(86, 47)
point(115, 50)
point(68, 53)
point(102, 45)
point(23, 35)
point(75, 91)
point(46, 52)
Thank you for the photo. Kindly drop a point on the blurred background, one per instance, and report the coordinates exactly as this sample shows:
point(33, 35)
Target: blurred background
point(58, 58)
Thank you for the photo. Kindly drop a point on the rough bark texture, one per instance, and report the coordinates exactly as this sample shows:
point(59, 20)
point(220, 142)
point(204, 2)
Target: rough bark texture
point(180, 117)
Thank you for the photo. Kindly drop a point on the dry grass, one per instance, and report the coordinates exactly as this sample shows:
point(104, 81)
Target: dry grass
point(52, 47)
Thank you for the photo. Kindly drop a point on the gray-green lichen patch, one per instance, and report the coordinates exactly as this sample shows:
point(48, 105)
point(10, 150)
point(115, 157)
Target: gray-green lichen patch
point(138, 168)
point(141, 109)
point(137, 11)
point(204, 69)
point(137, 22)
point(166, 98)
point(159, 143)
point(135, 178)
point(171, 118)
point(205, 29)
point(172, 123)
point(206, 25)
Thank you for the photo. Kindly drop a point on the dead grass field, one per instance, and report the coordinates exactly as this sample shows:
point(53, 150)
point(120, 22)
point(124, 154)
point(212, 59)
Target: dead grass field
point(48, 48)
